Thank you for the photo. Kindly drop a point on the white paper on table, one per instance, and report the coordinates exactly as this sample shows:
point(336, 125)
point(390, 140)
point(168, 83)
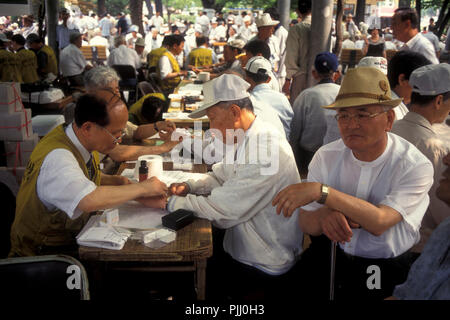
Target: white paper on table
point(133, 215)
point(170, 177)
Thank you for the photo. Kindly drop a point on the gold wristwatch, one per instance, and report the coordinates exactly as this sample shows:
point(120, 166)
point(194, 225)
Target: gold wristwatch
point(325, 189)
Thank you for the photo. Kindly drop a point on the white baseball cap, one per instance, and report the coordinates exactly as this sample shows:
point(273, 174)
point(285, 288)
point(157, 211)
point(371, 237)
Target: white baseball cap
point(236, 43)
point(431, 80)
point(247, 18)
point(266, 20)
point(227, 87)
point(255, 64)
point(375, 62)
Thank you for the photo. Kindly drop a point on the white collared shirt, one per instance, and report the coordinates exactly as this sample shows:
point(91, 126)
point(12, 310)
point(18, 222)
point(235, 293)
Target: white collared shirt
point(278, 102)
point(165, 66)
point(237, 197)
point(418, 130)
point(401, 110)
point(72, 61)
point(420, 44)
point(400, 178)
point(61, 183)
point(125, 56)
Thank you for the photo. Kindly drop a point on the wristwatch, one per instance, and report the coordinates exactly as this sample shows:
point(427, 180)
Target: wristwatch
point(324, 189)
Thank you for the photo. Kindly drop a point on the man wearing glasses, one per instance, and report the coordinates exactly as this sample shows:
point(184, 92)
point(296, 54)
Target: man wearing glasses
point(368, 191)
point(63, 184)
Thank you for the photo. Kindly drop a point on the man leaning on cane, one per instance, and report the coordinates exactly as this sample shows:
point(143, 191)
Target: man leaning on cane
point(367, 191)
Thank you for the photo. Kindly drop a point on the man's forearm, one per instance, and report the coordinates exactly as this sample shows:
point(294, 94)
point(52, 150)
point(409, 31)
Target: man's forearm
point(144, 131)
point(130, 153)
point(110, 196)
point(374, 219)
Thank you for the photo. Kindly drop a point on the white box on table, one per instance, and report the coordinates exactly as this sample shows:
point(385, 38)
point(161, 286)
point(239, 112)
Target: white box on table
point(18, 152)
point(16, 126)
point(10, 101)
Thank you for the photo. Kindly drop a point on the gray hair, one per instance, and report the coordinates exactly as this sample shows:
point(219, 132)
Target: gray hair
point(100, 77)
point(119, 40)
point(244, 103)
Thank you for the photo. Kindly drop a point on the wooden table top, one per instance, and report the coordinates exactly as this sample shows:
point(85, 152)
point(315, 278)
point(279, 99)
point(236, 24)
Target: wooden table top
point(193, 242)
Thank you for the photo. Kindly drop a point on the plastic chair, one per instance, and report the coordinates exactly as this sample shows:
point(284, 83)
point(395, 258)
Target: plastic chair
point(146, 88)
point(59, 277)
point(155, 81)
point(128, 78)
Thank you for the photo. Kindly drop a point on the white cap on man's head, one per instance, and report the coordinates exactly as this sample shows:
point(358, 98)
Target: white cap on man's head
point(375, 62)
point(247, 18)
point(227, 87)
point(431, 80)
point(255, 64)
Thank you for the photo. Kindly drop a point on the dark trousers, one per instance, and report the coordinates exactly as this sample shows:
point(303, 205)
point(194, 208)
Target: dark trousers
point(352, 275)
point(228, 279)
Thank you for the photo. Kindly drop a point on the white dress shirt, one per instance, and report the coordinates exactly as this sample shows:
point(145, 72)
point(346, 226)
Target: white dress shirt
point(400, 178)
point(401, 110)
point(124, 55)
point(156, 21)
point(269, 115)
point(309, 123)
point(61, 183)
point(422, 45)
point(418, 130)
point(165, 66)
point(276, 100)
point(72, 61)
point(237, 197)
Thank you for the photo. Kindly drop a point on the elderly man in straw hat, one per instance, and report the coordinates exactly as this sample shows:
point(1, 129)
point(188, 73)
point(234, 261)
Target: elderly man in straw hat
point(368, 191)
point(259, 245)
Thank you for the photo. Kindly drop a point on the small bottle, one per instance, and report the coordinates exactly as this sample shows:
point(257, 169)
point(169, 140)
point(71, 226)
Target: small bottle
point(143, 171)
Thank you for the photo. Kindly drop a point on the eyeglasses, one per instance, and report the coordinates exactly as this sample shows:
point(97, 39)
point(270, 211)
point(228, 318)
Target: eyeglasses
point(116, 140)
point(362, 117)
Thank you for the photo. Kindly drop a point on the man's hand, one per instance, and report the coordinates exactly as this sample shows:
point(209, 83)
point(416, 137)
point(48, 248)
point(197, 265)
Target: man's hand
point(286, 87)
point(295, 196)
point(335, 226)
point(153, 202)
point(154, 187)
point(165, 129)
point(169, 145)
point(121, 180)
point(179, 189)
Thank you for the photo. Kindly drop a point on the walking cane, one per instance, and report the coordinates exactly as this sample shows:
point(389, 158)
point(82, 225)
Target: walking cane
point(333, 269)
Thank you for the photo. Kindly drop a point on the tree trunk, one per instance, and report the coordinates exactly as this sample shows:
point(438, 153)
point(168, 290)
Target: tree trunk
point(283, 9)
point(149, 8)
point(443, 23)
point(360, 11)
point(321, 20)
point(440, 19)
point(51, 8)
point(136, 14)
point(339, 15)
point(159, 7)
point(101, 9)
point(419, 9)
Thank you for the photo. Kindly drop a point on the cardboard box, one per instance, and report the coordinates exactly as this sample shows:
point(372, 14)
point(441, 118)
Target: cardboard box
point(18, 152)
point(16, 126)
point(10, 100)
point(17, 173)
point(43, 124)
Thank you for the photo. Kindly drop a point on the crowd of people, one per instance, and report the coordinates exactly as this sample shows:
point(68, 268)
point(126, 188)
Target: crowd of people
point(360, 159)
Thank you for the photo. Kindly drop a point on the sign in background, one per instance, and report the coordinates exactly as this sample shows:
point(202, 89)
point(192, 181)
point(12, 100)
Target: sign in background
point(15, 7)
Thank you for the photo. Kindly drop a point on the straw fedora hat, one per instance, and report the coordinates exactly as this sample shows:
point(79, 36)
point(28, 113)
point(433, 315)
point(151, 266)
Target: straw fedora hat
point(364, 86)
